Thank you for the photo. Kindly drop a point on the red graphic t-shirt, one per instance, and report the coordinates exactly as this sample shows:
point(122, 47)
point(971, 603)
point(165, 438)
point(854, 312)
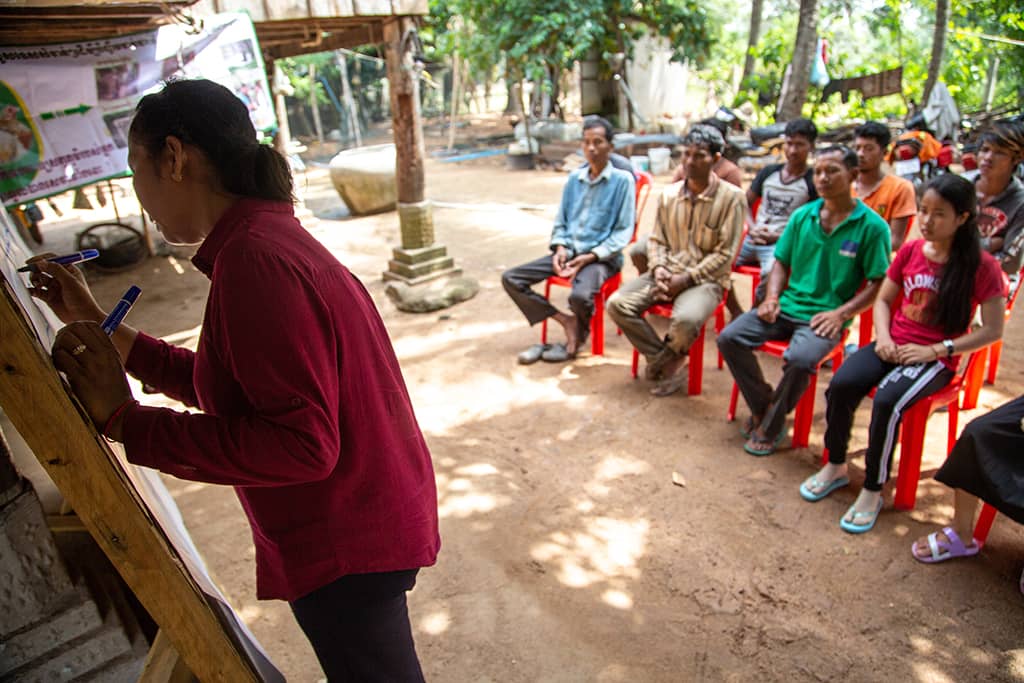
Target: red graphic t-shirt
point(918, 278)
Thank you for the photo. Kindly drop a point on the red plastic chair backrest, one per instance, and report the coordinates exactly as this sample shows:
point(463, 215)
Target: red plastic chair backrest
point(643, 191)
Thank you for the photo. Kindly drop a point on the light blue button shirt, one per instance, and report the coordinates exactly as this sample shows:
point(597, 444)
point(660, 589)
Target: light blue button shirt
point(596, 216)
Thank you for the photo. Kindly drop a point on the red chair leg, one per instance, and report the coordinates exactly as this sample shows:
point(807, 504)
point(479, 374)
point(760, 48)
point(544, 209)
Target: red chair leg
point(544, 323)
point(954, 420)
point(973, 381)
point(911, 449)
point(824, 457)
point(994, 352)
point(697, 363)
point(733, 398)
point(984, 524)
point(597, 326)
point(804, 415)
point(866, 328)
point(636, 363)
point(719, 326)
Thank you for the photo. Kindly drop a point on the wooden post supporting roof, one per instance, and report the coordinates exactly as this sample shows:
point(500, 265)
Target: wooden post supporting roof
point(419, 259)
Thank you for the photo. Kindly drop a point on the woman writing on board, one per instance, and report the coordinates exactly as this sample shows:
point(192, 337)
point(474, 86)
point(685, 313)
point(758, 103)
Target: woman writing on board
point(304, 409)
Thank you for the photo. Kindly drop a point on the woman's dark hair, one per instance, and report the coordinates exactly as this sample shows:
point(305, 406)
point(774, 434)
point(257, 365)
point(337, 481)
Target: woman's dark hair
point(873, 130)
point(956, 286)
point(846, 155)
point(209, 116)
point(599, 122)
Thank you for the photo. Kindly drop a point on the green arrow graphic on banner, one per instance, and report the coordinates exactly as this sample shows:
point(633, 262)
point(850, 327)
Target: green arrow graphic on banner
point(80, 109)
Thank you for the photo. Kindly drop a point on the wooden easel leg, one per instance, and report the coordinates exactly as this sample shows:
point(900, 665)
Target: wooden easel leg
point(164, 664)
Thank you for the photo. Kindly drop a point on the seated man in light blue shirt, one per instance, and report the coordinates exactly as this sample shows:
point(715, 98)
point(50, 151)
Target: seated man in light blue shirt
point(594, 223)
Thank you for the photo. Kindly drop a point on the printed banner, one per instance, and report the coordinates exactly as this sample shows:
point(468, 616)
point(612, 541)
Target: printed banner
point(65, 109)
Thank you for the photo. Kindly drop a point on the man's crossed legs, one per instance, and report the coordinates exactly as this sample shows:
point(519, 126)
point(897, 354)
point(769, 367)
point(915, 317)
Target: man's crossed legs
point(666, 358)
point(769, 407)
point(519, 281)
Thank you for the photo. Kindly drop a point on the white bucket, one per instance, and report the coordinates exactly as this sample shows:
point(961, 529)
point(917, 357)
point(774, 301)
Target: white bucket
point(659, 157)
point(641, 162)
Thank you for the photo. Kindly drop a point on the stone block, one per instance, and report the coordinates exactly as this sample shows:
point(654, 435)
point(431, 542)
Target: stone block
point(78, 618)
point(33, 579)
point(364, 177)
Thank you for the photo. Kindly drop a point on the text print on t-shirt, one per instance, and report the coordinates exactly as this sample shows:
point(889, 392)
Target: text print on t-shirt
point(920, 292)
point(848, 248)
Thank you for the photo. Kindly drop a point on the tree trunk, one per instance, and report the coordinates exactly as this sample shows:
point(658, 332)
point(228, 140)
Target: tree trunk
point(794, 88)
point(314, 105)
point(938, 48)
point(756, 7)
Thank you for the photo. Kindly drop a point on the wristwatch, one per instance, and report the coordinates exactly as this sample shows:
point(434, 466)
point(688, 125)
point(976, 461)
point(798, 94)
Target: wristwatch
point(950, 349)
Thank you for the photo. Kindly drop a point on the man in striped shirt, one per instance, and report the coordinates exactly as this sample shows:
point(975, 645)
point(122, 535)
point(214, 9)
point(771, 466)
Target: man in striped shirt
point(696, 234)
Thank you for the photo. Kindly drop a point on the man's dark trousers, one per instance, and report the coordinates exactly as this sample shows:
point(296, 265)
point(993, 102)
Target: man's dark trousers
point(519, 281)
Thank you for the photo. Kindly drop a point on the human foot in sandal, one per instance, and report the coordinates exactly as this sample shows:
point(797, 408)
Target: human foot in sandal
point(760, 444)
point(828, 479)
point(863, 514)
point(940, 546)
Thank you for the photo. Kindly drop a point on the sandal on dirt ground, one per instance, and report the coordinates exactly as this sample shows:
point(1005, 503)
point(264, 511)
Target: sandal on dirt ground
point(669, 385)
point(749, 426)
point(762, 446)
point(811, 490)
point(532, 354)
point(862, 521)
point(945, 550)
point(557, 353)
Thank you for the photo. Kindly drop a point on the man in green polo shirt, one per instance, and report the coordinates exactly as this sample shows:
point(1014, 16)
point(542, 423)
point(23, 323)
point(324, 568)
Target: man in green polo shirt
point(829, 249)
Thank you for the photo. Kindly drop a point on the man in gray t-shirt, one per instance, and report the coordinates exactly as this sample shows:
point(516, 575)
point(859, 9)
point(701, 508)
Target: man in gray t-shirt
point(781, 189)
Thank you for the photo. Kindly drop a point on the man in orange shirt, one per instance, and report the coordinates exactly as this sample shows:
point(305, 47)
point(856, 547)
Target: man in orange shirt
point(891, 197)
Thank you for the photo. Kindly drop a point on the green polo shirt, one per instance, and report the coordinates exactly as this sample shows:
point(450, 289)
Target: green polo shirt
point(827, 269)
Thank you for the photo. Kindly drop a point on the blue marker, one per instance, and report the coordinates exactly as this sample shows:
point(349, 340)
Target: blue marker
point(121, 310)
point(67, 260)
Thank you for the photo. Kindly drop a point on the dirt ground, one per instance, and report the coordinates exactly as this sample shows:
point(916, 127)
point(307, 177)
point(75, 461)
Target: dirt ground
point(568, 554)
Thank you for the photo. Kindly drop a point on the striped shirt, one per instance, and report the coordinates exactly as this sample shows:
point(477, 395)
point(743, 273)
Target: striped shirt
point(698, 234)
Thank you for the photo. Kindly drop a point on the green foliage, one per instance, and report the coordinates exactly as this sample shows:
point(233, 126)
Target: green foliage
point(538, 39)
point(868, 36)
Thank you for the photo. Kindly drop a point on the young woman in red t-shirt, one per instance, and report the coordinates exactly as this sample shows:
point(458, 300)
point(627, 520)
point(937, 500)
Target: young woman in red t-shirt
point(922, 320)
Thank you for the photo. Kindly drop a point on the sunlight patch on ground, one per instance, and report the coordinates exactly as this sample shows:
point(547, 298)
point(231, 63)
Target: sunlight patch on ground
point(250, 613)
point(925, 671)
point(442, 340)
point(617, 599)
point(436, 623)
point(457, 496)
point(176, 265)
point(479, 469)
point(607, 549)
point(496, 395)
point(611, 468)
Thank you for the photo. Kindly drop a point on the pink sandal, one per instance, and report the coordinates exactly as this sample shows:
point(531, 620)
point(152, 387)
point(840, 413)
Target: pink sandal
point(945, 550)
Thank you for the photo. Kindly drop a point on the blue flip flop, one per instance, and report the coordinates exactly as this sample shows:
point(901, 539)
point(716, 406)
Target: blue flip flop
point(761, 452)
point(807, 494)
point(853, 527)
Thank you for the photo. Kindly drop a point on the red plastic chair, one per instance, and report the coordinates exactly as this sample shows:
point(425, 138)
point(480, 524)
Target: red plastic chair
point(973, 384)
point(805, 408)
point(915, 422)
point(643, 191)
point(696, 370)
point(984, 523)
point(753, 271)
point(996, 348)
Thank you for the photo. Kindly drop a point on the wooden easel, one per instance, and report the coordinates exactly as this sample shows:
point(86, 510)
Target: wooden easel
point(192, 640)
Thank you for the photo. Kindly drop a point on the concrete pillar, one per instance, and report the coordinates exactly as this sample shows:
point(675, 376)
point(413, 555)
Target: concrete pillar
point(419, 259)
